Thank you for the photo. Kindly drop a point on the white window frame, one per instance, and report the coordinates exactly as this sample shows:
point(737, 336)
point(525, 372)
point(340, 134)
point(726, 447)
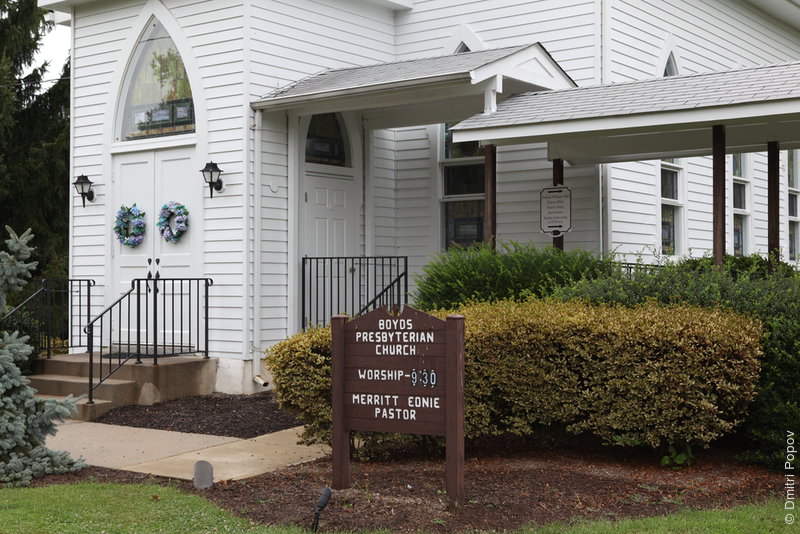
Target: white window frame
point(679, 203)
point(793, 220)
point(445, 162)
point(746, 213)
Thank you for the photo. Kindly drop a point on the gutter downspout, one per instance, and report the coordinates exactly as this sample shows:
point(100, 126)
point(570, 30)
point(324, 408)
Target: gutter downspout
point(255, 348)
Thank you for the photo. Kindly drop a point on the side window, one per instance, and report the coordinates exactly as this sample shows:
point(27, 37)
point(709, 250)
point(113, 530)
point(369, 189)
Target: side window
point(157, 94)
point(741, 204)
point(463, 192)
point(794, 213)
point(326, 143)
point(672, 211)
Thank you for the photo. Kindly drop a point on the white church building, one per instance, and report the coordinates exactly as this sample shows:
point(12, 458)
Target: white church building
point(333, 124)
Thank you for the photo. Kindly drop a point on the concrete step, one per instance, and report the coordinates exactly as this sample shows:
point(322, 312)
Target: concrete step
point(132, 383)
point(78, 365)
point(86, 412)
point(120, 392)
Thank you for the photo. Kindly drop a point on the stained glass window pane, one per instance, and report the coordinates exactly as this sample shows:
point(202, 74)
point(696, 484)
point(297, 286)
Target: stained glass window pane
point(669, 184)
point(739, 196)
point(738, 235)
point(463, 222)
point(737, 162)
point(158, 97)
point(468, 149)
point(325, 143)
point(668, 217)
point(464, 179)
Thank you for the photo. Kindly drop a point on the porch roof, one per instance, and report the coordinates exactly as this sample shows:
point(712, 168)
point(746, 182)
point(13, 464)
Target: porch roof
point(650, 119)
point(423, 91)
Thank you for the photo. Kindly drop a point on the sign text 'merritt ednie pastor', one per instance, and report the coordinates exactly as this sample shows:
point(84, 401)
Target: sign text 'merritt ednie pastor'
point(398, 373)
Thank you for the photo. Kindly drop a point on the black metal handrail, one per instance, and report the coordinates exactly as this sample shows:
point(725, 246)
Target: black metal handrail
point(388, 296)
point(350, 285)
point(156, 317)
point(54, 315)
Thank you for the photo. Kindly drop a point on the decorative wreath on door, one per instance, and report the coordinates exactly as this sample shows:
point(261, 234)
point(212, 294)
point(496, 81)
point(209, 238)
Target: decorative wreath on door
point(173, 221)
point(129, 226)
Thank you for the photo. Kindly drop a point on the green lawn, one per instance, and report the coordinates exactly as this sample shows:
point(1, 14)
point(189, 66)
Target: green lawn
point(115, 508)
point(144, 509)
point(764, 518)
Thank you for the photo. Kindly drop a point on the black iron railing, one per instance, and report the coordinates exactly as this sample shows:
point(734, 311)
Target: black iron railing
point(351, 285)
point(631, 268)
point(54, 315)
point(156, 317)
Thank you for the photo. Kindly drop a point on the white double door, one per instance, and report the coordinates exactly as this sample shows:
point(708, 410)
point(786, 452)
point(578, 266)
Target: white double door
point(151, 179)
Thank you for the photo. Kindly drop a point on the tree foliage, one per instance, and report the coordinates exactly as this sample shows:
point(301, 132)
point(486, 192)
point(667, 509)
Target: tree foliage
point(25, 421)
point(34, 135)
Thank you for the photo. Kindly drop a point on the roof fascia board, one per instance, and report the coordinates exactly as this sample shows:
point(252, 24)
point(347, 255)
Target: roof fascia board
point(388, 99)
point(673, 143)
point(643, 122)
point(285, 103)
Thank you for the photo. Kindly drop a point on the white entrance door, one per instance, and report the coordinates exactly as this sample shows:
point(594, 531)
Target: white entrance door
point(150, 180)
point(330, 233)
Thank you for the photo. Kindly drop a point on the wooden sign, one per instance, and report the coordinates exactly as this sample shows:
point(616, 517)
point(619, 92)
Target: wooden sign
point(402, 374)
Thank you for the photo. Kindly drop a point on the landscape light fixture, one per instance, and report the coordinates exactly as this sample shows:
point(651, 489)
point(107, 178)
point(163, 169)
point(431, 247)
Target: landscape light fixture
point(83, 186)
point(211, 176)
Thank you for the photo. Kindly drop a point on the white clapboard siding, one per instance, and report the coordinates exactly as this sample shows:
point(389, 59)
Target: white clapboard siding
point(703, 36)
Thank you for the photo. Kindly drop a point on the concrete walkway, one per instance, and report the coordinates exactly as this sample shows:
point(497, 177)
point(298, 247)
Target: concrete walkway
point(173, 454)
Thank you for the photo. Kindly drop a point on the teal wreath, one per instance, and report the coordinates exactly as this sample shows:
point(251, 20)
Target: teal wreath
point(173, 213)
point(129, 226)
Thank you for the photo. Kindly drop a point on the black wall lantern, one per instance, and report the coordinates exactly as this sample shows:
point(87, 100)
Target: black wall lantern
point(83, 186)
point(211, 175)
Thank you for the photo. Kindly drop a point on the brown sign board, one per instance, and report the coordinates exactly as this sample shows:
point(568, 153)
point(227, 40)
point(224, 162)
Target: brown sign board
point(402, 374)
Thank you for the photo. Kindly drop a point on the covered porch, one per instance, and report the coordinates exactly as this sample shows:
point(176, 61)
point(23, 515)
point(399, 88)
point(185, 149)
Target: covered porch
point(343, 130)
point(739, 111)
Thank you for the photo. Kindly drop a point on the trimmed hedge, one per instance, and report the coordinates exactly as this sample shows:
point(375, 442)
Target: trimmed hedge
point(650, 374)
point(773, 299)
point(481, 273)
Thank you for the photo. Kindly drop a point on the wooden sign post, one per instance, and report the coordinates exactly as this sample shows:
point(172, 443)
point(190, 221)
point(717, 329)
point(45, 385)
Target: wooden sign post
point(403, 374)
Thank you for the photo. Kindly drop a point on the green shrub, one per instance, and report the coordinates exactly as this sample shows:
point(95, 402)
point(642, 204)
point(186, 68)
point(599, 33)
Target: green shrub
point(480, 273)
point(752, 266)
point(774, 299)
point(648, 375)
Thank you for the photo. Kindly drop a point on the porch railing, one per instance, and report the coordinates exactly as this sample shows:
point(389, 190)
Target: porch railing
point(156, 317)
point(54, 315)
point(351, 285)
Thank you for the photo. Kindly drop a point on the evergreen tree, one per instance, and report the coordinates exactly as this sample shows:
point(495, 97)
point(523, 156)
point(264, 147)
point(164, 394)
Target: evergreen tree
point(34, 136)
point(25, 421)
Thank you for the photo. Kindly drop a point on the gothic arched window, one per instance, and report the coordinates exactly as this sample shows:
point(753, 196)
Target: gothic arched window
point(157, 94)
point(326, 142)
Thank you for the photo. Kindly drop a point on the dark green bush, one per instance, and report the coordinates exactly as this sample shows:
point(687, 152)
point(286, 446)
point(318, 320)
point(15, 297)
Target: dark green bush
point(650, 375)
point(774, 299)
point(480, 273)
point(752, 266)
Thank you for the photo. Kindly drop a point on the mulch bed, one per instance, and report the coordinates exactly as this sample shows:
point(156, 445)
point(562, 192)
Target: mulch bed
point(508, 482)
point(236, 416)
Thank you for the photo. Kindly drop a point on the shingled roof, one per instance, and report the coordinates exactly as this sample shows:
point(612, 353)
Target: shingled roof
point(677, 93)
point(394, 72)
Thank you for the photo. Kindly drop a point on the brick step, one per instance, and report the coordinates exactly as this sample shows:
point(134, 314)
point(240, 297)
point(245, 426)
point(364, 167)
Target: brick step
point(86, 412)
